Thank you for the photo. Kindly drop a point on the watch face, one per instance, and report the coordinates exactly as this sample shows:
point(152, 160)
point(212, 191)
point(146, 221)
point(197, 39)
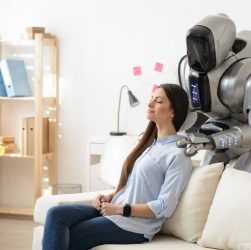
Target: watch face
point(127, 210)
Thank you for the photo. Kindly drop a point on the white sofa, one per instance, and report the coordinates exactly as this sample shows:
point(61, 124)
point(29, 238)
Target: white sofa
point(214, 212)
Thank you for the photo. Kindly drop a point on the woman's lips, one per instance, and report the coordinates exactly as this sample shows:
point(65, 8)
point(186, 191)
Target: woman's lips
point(150, 111)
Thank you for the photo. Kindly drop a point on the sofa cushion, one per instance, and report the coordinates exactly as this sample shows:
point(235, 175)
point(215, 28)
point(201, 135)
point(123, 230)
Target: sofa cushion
point(158, 243)
point(245, 246)
point(229, 220)
point(190, 216)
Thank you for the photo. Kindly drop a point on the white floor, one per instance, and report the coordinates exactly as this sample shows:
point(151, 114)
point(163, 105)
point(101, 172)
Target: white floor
point(16, 234)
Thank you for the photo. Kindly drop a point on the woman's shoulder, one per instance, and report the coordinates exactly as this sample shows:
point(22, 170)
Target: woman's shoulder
point(171, 152)
point(173, 148)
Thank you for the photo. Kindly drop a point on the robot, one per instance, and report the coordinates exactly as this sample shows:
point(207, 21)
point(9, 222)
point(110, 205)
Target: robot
point(216, 73)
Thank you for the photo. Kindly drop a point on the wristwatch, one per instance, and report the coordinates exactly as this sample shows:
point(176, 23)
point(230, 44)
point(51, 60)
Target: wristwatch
point(127, 210)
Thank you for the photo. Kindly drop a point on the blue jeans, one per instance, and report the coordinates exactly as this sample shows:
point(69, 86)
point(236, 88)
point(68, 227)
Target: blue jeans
point(80, 227)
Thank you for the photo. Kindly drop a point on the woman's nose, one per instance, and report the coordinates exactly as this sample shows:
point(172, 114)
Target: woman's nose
point(150, 103)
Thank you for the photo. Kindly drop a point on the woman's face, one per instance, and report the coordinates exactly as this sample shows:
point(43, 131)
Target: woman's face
point(159, 108)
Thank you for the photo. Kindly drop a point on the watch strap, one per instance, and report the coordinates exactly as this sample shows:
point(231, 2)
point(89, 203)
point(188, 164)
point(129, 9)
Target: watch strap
point(127, 210)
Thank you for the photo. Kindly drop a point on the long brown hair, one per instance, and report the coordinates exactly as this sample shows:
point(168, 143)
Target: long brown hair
point(179, 102)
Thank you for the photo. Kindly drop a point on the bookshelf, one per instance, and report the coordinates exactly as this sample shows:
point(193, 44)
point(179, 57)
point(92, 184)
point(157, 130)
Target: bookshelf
point(24, 178)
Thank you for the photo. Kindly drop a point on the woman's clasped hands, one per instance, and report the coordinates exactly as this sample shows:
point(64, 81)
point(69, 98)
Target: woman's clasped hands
point(103, 204)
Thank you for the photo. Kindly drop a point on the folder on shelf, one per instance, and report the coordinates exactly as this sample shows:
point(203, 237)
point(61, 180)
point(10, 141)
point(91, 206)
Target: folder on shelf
point(2, 86)
point(24, 136)
point(28, 131)
point(15, 77)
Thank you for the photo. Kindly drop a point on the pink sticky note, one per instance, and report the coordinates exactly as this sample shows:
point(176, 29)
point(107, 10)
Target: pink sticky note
point(137, 70)
point(159, 67)
point(155, 86)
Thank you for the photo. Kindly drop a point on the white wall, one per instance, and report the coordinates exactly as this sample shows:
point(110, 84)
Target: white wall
point(100, 42)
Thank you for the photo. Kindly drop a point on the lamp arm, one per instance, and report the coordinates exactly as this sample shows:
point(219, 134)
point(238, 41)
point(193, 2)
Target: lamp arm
point(118, 114)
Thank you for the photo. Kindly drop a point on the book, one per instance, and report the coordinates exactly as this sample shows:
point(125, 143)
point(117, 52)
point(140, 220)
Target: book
point(15, 78)
point(8, 148)
point(28, 129)
point(7, 139)
point(2, 86)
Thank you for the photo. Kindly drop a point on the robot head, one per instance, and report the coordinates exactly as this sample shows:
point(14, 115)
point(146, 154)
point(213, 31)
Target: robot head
point(209, 41)
point(216, 72)
point(209, 47)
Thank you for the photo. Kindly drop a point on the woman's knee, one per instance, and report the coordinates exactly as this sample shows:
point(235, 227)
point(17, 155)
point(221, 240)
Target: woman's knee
point(55, 213)
point(70, 214)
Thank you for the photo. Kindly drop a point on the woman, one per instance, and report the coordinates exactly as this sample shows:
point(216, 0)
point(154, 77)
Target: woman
point(153, 177)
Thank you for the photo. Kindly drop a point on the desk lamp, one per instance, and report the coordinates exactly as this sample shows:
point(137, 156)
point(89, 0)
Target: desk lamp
point(133, 103)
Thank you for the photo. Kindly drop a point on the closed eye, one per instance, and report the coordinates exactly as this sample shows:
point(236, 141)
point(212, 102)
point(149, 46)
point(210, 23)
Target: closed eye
point(157, 99)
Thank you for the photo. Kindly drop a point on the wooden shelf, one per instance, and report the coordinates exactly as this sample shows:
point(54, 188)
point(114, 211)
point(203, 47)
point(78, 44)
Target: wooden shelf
point(16, 211)
point(18, 42)
point(17, 155)
point(26, 98)
point(47, 39)
point(47, 157)
point(44, 103)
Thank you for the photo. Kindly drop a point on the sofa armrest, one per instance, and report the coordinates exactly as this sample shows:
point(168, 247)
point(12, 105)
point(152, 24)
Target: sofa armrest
point(44, 203)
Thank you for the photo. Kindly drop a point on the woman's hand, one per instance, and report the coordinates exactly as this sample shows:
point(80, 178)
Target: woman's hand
point(97, 202)
point(100, 199)
point(110, 208)
point(107, 198)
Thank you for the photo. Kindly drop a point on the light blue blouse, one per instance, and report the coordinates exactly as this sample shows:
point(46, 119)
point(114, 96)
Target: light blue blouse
point(158, 178)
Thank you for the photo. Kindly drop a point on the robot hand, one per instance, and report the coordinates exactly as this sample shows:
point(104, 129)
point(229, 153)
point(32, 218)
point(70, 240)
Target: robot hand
point(195, 142)
point(236, 137)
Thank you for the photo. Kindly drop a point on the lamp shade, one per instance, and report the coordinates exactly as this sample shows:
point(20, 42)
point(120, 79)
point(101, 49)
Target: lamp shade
point(132, 99)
